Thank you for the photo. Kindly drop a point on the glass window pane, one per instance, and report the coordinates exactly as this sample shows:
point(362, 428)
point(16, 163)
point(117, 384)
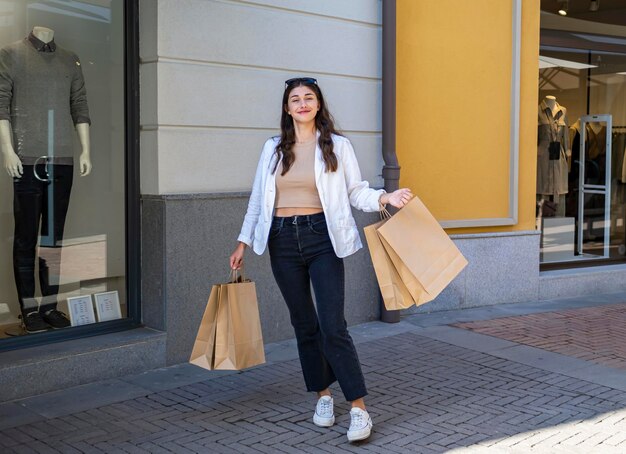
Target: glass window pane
point(62, 224)
point(581, 186)
point(593, 227)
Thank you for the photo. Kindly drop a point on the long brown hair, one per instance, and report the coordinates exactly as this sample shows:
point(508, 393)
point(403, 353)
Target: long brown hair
point(324, 123)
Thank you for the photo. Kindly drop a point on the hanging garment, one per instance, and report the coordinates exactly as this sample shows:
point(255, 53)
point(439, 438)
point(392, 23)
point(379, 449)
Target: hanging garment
point(617, 155)
point(619, 146)
point(552, 168)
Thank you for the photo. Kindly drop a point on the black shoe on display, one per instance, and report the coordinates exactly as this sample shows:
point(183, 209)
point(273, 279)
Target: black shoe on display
point(34, 323)
point(56, 319)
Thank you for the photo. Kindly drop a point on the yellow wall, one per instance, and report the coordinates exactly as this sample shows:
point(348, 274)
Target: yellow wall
point(453, 107)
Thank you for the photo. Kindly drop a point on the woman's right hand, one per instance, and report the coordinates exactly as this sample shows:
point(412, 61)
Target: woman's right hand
point(236, 258)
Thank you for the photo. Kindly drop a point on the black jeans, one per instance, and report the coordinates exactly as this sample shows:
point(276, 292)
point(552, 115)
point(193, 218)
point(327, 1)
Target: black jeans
point(38, 202)
point(301, 253)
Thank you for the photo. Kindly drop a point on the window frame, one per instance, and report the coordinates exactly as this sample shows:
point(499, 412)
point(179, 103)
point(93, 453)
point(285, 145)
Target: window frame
point(131, 209)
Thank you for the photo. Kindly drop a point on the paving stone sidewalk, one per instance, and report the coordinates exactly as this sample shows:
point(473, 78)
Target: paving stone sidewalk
point(435, 386)
point(595, 334)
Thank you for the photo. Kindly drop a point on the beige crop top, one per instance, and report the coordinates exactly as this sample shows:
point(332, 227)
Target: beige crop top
point(296, 189)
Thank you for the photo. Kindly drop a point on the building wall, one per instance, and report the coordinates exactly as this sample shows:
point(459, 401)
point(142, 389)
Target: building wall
point(212, 77)
point(212, 82)
point(211, 98)
point(453, 132)
point(453, 107)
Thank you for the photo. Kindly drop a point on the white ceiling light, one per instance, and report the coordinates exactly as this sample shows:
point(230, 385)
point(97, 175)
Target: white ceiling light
point(594, 5)
point(564, 7)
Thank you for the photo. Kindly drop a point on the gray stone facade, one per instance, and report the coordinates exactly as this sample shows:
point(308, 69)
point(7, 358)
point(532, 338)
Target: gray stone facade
point(207, 105)
point(37, 370)
point(186, 242)
point(187, 239)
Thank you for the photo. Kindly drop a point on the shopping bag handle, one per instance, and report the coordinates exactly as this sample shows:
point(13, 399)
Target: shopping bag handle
point(383, 213)
point(237, 275)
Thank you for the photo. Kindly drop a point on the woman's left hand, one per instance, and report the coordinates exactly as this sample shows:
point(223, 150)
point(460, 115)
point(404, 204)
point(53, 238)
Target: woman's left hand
point(397, 198)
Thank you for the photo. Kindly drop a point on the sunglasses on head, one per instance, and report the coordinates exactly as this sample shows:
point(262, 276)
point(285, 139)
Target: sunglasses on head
point(306, 80)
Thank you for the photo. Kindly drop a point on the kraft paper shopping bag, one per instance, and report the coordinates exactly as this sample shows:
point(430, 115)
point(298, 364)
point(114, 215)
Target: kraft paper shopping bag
point(204, 346)
point(425, 257)
point(230, 334)
point(394, 292)
point(238, 340)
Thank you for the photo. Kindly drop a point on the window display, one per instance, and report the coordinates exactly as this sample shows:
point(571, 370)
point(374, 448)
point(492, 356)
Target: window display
point(580, 155)
point(42, 95)
point(62, 218)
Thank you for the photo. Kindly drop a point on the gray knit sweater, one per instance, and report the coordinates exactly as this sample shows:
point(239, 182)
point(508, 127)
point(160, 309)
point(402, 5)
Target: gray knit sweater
point(43, 95)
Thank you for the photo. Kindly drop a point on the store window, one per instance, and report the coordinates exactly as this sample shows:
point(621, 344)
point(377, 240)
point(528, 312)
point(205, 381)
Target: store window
point(63, 137)
point(581, 170)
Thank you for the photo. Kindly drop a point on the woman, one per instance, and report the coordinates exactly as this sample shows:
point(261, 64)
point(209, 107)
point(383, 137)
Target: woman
point(305, 182)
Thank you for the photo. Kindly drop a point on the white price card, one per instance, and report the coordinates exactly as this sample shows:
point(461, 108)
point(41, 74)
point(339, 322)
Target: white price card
point(81, 310)
point(108, 306)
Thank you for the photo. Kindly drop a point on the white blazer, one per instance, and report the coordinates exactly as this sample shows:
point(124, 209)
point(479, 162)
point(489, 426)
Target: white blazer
point(337, 190)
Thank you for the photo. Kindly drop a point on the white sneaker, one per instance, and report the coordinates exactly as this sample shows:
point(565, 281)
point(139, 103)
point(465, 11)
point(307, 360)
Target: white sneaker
point(324, 415)
point(360, 425)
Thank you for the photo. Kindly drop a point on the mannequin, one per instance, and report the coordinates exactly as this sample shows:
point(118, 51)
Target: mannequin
point(551, 103)
point(553, 151)
point(43, 33)
point(12, 162)
point(42, 102)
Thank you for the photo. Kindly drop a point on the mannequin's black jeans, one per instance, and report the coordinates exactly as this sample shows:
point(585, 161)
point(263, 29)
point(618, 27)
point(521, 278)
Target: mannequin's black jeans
point(39, 207)
point(302, 254)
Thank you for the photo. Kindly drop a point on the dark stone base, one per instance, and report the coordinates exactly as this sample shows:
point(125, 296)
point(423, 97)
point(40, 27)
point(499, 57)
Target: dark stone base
point(37, 370)
point(186, 242)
